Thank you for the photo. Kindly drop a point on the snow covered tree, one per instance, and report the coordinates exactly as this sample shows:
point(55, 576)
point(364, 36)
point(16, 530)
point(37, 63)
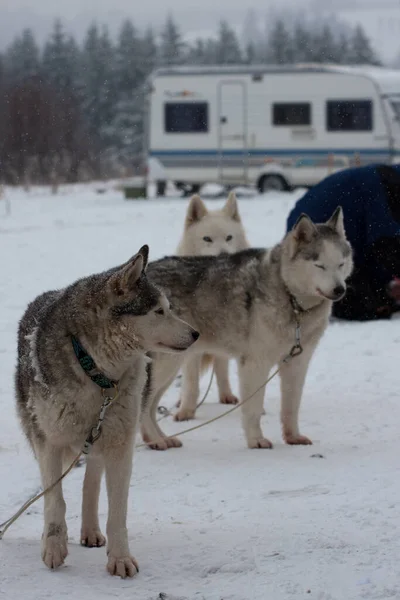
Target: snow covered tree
point(135, 58)
point(22, 57)
point(361, 51)
point(61, 69)
point(227, 47)
point(98, 88)
point(250, 54)
point(302, 44)
point(60, 63)
point(149, 51)
point(172, 47)
point(196, 53)
point(251, 35)
point(280, 45)
point(324, 46)
point(343, 49)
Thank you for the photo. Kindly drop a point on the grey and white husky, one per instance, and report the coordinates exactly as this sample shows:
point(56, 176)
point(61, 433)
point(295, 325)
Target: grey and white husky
point(74, 345)
point(244, 305)
point(207, 232)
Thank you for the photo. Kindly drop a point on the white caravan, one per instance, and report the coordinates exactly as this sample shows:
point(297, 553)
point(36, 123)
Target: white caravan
point(272, 127)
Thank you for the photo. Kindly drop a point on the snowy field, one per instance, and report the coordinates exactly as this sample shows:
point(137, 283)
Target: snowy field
point(213, 520)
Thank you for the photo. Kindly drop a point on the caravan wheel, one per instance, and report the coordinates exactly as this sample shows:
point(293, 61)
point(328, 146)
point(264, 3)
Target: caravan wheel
point(272, 183)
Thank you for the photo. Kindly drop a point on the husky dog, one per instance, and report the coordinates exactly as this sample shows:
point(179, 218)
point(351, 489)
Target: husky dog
point(206, 233)
point(75, 346)
point(247, 305)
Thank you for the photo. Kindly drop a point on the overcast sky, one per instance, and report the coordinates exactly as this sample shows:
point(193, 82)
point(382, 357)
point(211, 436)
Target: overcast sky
point(40, 14)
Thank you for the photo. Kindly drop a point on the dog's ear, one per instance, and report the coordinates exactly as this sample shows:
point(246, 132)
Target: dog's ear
point(304, 229)
point(231, 209)
point(144, 253)
point(196, 211)
point(336, 222)
point(125, 278)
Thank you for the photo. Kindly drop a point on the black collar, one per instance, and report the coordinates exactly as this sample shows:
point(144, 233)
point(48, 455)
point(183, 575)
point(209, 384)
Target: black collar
point(297, 309)
point(89, 366)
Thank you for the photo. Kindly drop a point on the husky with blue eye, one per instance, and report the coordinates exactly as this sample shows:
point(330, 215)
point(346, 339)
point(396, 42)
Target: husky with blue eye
point(245, 306)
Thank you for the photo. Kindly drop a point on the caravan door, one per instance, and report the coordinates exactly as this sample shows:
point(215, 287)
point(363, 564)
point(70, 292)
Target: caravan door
point(232, 132)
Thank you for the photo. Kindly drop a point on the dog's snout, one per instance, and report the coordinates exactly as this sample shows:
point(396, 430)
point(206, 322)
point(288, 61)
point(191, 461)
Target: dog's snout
point(195, 335)
point(339, 291)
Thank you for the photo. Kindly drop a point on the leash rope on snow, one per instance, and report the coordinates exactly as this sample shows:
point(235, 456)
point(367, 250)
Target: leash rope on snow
point(91, 439)
point(95, 432)
point(296, 350)
point(165, 412)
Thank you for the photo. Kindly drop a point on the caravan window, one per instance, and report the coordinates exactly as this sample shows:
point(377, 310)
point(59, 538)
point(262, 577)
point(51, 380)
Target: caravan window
point(349, 115)
point(186, 117)
point(290, 114)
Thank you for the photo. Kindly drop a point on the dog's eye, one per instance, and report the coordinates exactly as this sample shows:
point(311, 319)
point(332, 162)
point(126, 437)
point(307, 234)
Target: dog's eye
point(341, 265)
point(320, 267)
point(206, 238)
point(159, 311)
point(228, 238)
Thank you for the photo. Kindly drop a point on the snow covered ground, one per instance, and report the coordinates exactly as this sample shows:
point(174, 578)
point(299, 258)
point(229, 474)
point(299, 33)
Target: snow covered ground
point(213, 520)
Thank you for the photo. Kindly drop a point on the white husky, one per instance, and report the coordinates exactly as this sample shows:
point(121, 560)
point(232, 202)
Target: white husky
point(208, 233)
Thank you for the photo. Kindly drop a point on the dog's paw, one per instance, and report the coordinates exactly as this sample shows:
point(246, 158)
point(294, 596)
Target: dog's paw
point(228, 399)
point(259, 443)
point(173, 442)
point(158, 444)
point(185, 414)
point(92, 538)
point(123, 566)
point(54, 550)
point(297, 440)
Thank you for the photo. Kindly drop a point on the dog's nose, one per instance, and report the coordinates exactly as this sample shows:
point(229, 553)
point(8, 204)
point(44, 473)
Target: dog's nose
point(195, 335)
point(338, 291)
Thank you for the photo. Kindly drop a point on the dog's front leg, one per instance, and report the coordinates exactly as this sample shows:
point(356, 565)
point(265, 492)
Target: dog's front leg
point(91, 535)
point(54, 539)
point(190, 388)
point(164, 370)
point(293, 374)
point(221, 367)
point(253, 372)
point(118, 465)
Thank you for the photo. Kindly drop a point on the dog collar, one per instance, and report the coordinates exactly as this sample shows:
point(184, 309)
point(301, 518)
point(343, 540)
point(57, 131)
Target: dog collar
point(297, 309)
point(89, 366)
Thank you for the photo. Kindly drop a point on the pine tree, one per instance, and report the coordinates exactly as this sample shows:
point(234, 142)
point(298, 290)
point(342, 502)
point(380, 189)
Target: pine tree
point(251, 36)
point(227, 48)
point(60, 62)
point(196, 54)
point(361, 51)
point(325, 49)
point(280, 45)
point(172, 47)
point(210, 51)
point(343, 49)
point(22, 58)
point(250, 54)
point(135, 57)
point(302, 44)
point(149, 52)
point(98, 85)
